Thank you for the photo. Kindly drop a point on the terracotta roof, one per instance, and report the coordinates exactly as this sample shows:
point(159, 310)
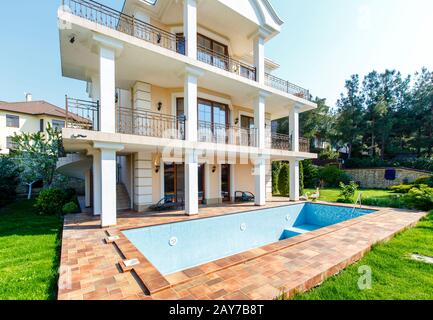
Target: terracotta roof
point(38, 108)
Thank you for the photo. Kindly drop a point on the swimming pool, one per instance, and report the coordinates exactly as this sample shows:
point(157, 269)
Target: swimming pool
point(178, 246)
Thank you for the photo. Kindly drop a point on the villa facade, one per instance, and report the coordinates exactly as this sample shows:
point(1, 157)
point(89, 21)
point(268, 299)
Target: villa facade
point(181, 100)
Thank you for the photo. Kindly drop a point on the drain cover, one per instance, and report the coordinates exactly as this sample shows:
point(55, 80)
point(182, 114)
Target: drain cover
point(421, 258)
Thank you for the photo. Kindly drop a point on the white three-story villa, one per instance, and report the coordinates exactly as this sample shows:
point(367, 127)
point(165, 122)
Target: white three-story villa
point(181, 99)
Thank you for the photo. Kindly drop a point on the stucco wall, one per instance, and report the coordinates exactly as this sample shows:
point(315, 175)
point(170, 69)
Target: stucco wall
point(374, 178)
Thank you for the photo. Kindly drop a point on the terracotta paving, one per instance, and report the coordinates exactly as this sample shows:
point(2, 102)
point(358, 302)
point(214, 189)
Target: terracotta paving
point(90, 267)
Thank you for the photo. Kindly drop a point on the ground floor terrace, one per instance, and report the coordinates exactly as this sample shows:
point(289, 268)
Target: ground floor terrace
point(92, 267)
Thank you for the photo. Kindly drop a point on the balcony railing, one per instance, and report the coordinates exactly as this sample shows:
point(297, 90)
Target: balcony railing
point(150, 124)
point(225, 134)
point(286, 86)
point(225, 62)
point(108, 17)
point(82, 114)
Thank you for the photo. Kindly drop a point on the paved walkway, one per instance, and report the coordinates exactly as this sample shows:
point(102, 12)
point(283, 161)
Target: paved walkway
point(91, 270)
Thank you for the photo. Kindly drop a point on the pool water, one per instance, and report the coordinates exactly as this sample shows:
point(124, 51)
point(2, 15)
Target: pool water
point(178, 246)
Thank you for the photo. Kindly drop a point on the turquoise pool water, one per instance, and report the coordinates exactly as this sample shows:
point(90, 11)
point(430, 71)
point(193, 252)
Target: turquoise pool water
point(182, 245)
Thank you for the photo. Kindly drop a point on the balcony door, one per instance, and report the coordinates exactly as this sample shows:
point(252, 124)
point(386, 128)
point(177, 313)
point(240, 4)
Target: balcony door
point(247, 124)
point(225, 182)
point(174, 182)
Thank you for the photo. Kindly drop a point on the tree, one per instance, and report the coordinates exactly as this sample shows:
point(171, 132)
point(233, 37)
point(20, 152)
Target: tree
point(349, 123)
point(284, 180)
point(9, 177)
point(36, 155)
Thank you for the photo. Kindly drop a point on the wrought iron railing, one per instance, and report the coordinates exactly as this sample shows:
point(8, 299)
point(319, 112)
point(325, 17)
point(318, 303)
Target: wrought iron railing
point(286, 86)
point(304, 145)
point(149, 124)
point(108, 17)
point(82, 114)
point(225, 62)
point(225, 134)
point(285, 142)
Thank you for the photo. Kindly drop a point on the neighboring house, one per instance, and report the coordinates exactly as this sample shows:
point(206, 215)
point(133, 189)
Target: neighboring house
point(182, 102)
point(27, 117)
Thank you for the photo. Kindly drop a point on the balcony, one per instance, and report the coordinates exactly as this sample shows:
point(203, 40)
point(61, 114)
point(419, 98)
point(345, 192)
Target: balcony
point(81, 114)
point(116, 20)
point(287, 87)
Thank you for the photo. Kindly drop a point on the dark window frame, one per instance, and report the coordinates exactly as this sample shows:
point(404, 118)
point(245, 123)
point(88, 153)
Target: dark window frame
point(11, 117)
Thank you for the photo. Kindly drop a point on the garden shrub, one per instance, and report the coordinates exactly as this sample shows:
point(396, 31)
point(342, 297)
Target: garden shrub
point(301, 178)
point(402, 188)
point(70, 208)
point(311, 179)
point(331, 176)
point(9, 179)
point(71, 196)
point(420, 197)
point(284, 180)
point(396, 201)
point(347, 192)
point(422, 180)
point(50, 201)
point(276, 165)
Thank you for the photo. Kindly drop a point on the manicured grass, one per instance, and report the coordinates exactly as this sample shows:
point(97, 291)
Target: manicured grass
point(394, 275)
point(331, 195)
point(29, 253)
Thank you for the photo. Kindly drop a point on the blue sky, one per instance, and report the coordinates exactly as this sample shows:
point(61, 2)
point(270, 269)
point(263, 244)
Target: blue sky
point(323, 42)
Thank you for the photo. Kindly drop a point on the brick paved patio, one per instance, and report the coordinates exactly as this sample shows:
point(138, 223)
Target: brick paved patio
point(91, 266)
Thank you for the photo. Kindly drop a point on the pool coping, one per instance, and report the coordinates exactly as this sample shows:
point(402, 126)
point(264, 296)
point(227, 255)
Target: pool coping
point(155, 282)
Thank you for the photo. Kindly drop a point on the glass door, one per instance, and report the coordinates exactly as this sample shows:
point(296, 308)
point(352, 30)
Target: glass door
point(247, 124)
point(225, 182)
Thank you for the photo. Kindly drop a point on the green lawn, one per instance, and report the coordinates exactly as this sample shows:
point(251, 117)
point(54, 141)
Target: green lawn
point(29, 253)
point(394, 275)
point(331, 195)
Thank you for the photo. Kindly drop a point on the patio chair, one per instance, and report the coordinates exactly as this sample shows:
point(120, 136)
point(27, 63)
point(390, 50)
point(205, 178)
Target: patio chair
point(244, 196)
point(167, 204)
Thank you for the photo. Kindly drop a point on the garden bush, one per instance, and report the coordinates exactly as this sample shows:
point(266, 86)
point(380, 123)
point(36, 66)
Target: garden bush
point(402, 188)
point(284, 180)
point(9, 179)
point(70, 208)
point(396, 201)
point(276, 165)
point(422, 180)
point(420, 197)
point(311, 179)
point(51, 201)
point(301, 178)
point(331, 176)
point(347, 192)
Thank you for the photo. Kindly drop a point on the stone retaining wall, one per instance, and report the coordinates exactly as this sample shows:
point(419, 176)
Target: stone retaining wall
point(374, 178)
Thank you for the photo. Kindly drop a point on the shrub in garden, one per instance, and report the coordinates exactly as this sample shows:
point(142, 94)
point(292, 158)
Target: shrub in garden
point(347, 192)
point(50, 201)
point(331, 176)
point(420, 197)
point(276, 165)
point(9, 179)
point(311, 179)
point(70, 208)
point(301, 178)
point(422, 180)
point(402, 188)
point(284, 180)
point(396, 201)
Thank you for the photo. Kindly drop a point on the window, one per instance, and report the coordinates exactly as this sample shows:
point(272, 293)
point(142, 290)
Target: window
point(12, 121)
point(58, 125)
point(10, 144)
point(41, 125)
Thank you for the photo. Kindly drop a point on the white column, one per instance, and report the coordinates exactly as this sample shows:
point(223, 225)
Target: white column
point(190, 104)
point(108, 187)
point(97, 200)
point(191, 183)
point(294, 180)
point(259, 118)
point(190, 27)
point(260, 182)
point(294, 128)
point(88, 188)
point(259, 57)
point(107, 72)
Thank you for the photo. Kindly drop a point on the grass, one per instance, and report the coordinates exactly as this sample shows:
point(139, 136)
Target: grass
point(331, 195)
point(394, 275)
point(29, 253)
